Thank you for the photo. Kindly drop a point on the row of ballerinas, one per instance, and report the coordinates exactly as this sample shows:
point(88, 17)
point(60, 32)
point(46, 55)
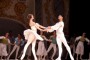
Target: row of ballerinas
point(31, 36)
point(5, 46)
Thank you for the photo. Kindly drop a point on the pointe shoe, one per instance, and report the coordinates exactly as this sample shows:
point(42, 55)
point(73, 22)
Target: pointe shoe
point(58, 59)
point(72, 58)
point(21, 59)
point(35, 58)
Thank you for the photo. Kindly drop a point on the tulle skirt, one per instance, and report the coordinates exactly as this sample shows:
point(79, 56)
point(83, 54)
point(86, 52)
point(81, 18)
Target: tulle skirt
point(3, 51)
point(41, 49)
point(38, 37)
point(80, 48)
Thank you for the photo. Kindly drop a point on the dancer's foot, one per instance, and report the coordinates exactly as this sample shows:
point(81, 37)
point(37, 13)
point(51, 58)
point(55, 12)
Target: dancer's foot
point(80, 58)
point(35, 58)
point(52, 58)
point(21, 58)
point(72, 58)
point(58, 58)
point(7, 58)
point(16, 59)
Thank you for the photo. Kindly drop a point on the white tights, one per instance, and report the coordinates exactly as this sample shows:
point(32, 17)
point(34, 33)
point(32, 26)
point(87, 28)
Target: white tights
point(61, 40)
point(32, 40)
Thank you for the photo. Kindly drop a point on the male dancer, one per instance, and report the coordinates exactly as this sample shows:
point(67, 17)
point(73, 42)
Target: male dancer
point(60, 36)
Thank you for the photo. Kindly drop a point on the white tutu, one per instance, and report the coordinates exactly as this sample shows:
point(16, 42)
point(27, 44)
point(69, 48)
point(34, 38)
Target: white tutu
point(28, 31)
point(41, 49)
point(3, 51)
point(80, 48)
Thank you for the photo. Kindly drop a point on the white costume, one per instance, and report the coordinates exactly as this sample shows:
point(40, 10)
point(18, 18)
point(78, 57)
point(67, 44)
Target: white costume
point(60, 38)
point(3, 47)
point(28, 36)
point(80, 45)
point(41, 49)
point(34, 31)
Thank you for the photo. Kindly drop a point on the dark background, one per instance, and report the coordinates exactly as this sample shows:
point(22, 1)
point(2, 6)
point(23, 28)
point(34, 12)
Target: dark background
point(79, 17)
point(80, 21)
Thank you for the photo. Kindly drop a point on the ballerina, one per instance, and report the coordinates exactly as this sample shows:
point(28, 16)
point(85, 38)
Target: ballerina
point(31, 35)
point(80, 45)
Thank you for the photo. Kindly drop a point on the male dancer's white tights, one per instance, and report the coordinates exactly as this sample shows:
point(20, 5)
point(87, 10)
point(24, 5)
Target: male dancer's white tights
point(60, 40)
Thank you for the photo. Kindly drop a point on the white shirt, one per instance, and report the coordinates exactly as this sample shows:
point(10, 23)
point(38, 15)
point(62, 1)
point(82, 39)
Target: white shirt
point(58, 27)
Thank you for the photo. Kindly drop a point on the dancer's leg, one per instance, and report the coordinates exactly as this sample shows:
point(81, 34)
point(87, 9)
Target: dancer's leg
point(9, 49)
point(59, 43)
point(24, 51)
point(54, 48)
point(14, 48)
point(50, 47)
point(29, 41)
point(73, 49)
point(40, 50)
point(67, 47)
point(77, 57)
point(17, 51)
point(33, 49)
point(20, 54)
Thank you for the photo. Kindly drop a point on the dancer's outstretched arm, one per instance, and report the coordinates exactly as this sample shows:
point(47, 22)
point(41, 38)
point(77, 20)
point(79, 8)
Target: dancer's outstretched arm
point(39, 27)
point(54, 27)
point(87, 40)
point(77, 38)
point(42, 27)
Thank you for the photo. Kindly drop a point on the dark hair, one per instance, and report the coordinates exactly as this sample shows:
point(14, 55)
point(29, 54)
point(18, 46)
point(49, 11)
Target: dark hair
point(29, 16)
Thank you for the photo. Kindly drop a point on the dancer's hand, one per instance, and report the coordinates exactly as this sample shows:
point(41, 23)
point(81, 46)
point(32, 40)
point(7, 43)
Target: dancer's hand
point(49, 27)
point(44, 30)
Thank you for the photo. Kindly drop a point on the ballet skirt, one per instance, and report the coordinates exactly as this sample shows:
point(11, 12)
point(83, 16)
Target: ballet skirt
point(80, 48)
point(41, 49)
point(3, 47)
point(34, 31)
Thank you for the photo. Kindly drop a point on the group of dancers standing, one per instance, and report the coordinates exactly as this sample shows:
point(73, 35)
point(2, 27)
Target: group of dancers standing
point(31, 36)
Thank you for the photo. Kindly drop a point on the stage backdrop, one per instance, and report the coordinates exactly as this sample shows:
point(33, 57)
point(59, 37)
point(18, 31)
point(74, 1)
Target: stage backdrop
point(45, 12)
point(13, 15)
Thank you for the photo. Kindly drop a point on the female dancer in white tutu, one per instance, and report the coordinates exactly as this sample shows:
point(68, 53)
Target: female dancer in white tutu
point(60, 37)
point(31, 35)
